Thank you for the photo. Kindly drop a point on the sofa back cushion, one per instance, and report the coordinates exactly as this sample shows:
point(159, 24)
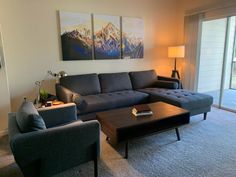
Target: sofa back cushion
point(87, 84)
point(143, 79)
point(112, 82)
point(28, 118)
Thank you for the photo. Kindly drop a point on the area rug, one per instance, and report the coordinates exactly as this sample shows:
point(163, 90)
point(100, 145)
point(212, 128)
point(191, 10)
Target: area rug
point(207, 149)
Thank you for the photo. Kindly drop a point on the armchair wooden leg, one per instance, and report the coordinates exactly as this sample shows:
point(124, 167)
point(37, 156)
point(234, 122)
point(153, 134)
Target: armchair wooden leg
point(205, 115)
point(126, 149)
point(96, 167)
point(95, 160)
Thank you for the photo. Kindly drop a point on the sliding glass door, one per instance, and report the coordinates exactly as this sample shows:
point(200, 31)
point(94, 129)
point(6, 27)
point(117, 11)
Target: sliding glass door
point(233, 72)
point(233, 75)
point(228, 93)
point(211, 57)
point(217, 70)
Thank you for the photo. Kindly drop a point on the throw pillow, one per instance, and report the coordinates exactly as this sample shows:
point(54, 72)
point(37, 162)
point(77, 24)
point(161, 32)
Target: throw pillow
point(35, 123)
point(28, 118)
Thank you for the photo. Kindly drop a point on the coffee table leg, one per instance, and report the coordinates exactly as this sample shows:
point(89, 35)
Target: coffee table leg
point(177, 133)
point(126, 149)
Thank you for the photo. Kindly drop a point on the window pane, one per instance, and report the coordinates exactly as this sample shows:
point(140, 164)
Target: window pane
point(211, 57)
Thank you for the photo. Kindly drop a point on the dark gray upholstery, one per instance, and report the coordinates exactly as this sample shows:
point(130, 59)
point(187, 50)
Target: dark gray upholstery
point(67, 96)
point(166, 84)
point(143, 79)
point(28, 118)
point(113, 100)
point(113, 82)
point(81, 104)
point(165, 78)
point(48, 152)
point(171, 79)
point(119, 90)
point(35, 123)
point(87, 84)
point(179, 97)
point(63, 93)
point(64, 114)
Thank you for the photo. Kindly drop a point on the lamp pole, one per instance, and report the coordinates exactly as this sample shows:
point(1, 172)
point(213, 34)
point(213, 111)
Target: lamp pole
point(176, 52)
point(175, 63)
point(175, 72)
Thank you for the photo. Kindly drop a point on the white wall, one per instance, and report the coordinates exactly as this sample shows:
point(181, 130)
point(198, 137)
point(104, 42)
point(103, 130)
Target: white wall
point(4, 90)
point(32, 43)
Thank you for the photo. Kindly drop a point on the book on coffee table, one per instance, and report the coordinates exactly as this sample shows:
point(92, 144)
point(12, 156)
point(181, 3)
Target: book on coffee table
point(141, 110)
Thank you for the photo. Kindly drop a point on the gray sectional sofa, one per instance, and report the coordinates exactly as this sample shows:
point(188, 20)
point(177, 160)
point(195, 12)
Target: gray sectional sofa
point(98, 92)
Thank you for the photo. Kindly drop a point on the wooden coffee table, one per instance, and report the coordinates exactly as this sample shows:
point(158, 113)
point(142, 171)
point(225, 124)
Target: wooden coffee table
point(120, 125)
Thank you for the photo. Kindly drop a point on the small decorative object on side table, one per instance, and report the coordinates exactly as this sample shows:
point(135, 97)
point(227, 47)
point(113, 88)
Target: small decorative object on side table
point(56, 102)
point(49, 104)
point(176, 52)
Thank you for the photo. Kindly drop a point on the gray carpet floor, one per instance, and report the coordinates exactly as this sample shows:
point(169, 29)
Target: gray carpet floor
point(207, 149)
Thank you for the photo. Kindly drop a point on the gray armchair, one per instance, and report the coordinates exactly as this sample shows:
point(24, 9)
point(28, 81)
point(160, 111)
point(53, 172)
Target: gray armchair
point(47, 152)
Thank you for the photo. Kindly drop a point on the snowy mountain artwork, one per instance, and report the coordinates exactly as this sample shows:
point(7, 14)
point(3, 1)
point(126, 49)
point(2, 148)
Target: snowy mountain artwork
point(76, 36)
point(107, 37)
point(95, 36)
point(132, 38)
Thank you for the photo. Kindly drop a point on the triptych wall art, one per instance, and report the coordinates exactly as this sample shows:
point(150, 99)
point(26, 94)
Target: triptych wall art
point(86, 37)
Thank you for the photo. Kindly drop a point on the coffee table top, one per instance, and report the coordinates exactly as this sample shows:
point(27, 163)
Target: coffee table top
point(123, 117)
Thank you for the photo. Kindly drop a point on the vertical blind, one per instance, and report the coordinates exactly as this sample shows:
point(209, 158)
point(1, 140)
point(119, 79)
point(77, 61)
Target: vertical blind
point(192, 36)
point(192, 31)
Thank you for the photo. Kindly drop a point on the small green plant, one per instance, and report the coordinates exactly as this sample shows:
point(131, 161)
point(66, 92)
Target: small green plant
point(43, 95)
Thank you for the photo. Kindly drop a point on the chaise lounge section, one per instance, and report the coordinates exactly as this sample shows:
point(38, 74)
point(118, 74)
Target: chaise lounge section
point(195, 103)
point(93, 93)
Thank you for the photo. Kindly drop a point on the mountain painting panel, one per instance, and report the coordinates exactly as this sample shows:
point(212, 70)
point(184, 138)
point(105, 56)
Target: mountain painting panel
point(132, 38)
point(107, 37)
point(76, 36)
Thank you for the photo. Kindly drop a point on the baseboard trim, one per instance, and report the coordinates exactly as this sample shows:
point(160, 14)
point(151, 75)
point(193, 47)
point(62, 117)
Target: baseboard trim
point(3, 132)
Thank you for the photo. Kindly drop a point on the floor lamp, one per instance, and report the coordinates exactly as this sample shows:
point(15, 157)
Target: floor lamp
point(176, 52)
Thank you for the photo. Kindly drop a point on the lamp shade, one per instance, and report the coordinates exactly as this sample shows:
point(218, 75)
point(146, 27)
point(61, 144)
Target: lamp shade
point(176, 51)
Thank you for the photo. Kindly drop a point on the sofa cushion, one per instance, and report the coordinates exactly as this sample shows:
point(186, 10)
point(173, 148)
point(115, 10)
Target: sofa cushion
point(143, 79)
point(113, 82)
point(112, 100)
point(87, 84)
point(179, 97)
point(35, 123)
point(28, 118)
